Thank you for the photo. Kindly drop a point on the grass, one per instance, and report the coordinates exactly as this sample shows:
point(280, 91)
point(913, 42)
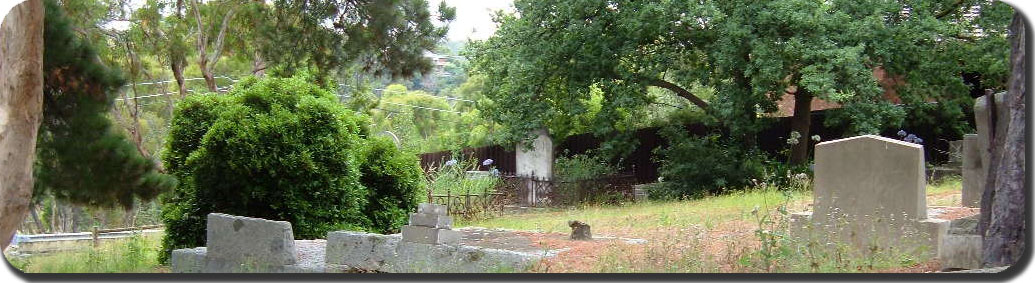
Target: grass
point(638, 218)
point(724, 233)
point(945, 192)
point(137, 254)
point(713, 234)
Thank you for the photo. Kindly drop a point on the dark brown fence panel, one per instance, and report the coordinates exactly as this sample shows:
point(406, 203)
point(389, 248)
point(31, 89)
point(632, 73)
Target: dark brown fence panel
point(503, 158)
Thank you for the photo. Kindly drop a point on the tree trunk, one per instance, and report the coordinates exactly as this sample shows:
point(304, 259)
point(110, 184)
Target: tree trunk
point(210, 79)
point(36, 219)
point(801, 122)
point(259, 65)
point(21, 110)
point(1003, 239)
point(177, 69)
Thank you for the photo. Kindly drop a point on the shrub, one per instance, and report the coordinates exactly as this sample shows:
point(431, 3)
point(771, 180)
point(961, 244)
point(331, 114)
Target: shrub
point(581, 167)
point(276, 148)
point(578, 179)
point(394, 179)
point(697, 166)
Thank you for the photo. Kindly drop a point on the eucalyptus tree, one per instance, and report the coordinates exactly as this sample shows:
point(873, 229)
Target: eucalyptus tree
point(378, 37)
point(21, 96)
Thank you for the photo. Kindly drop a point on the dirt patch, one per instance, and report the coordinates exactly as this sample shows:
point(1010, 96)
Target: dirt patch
point(952, 213)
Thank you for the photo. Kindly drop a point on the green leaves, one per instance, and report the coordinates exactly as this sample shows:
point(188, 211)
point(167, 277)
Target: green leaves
point(80, 158)
point(283, 149)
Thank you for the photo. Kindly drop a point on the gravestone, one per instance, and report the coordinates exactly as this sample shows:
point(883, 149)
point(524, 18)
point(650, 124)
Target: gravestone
point(239, 239)
point(870, 192)
point(974, 171)
point(431, 225)
point(982, 120)
point(535, 162)
point(237, 244)
point(869, 176)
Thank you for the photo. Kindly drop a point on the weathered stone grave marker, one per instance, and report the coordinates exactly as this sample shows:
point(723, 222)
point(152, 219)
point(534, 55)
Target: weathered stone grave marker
point(871, 191)
point(973, 172)
point(243, 244)
point(431, 225)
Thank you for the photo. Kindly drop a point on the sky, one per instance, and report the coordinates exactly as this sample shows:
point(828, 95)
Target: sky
point(473, 17)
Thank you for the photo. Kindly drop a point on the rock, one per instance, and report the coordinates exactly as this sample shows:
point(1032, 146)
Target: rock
point(579, 230)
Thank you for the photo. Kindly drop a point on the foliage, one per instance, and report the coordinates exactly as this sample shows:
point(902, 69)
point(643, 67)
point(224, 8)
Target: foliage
point(545, 58)
point(383, 37)
point(394, 179)
point(295, 160)
point(412, 117)
point(453, 178)
point(581, 167)
point(80, 158)
point(699, 166)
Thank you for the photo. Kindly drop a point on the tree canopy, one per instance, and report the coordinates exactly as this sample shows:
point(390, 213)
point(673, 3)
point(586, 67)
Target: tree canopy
point(80, 157)
point(544, 58)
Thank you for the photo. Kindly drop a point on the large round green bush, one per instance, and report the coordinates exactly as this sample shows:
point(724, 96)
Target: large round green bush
point(281, 149)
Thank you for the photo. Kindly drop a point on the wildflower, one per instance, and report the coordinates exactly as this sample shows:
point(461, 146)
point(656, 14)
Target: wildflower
point(451, 162)
point(901, 133)
point(910, 138)
point(487, 162)
point(918, 141)
point(495, 172)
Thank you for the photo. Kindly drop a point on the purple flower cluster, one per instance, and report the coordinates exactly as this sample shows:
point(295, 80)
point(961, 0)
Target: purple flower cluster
point(911, 138)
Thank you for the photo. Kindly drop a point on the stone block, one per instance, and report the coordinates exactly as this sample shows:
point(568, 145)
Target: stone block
point(187, 260)
point(960, 251)
point(431, 220)
point(428, 235)
point(367, 251)
point(974, 172)
point(430, 208)
point(245, 240)
point(869, 176)
point(933, 233)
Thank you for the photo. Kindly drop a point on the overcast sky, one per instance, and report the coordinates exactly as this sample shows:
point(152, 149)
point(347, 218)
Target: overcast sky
point(473, 17)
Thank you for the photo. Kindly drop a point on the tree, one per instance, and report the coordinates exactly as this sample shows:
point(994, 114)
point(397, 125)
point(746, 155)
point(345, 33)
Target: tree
point(1002, 214)
point(382, 37)
point(21, 101)
point(81, 159)
point(207, 58)
point(541, 63)
point(166, 37)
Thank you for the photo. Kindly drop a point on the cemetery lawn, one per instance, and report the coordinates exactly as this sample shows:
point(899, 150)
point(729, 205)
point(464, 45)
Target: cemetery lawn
point(712, 234)
point(138, 254)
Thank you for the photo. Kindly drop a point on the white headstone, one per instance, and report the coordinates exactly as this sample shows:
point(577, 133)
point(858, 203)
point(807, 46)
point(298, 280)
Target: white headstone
point(869, 176)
